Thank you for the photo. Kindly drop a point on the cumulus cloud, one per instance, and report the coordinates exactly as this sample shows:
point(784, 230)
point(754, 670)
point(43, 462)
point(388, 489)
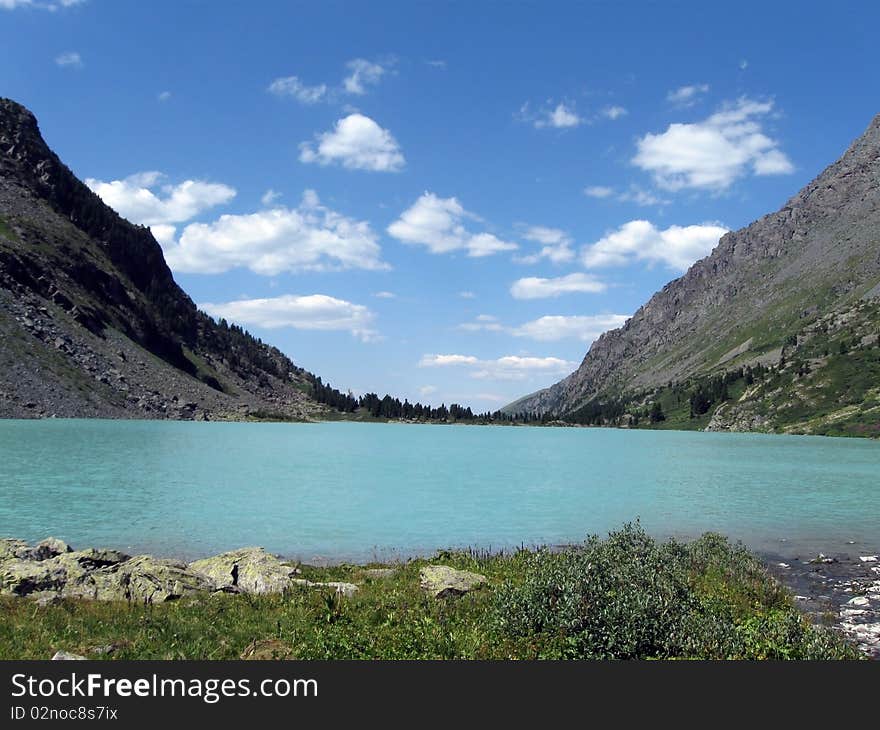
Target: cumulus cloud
point(561, 116)
point(483, 323)
point(436, 223)
point(426, 390)
point(163, 96)
point(144, 198)
point(533, 287)
point(362, 74)
point(310, 237)
point(687, 95)
point(676, 247)
point(510, 367)
point(312, 312)
point(714, 153)
point(291, 86)
point(356, 143)
point(586, 328)
point(69, 59)
point(555, 245)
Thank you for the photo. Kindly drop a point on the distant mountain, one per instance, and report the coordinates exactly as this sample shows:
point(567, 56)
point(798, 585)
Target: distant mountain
point(91, 320)
point(775, 330)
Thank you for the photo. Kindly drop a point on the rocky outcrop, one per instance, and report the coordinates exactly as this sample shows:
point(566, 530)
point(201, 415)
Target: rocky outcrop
point(441, 581)
point(248, 570)
point(45, 574)
point(759, 286)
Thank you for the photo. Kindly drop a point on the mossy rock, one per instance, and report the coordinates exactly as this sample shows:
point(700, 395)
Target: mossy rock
point(249, 570)
point(441, 581)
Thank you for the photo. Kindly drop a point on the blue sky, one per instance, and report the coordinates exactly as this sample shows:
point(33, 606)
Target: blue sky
point(445, 201)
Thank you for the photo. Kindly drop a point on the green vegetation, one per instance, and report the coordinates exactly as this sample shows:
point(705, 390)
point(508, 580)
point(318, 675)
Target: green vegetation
point(624, 597)
point(6, 230)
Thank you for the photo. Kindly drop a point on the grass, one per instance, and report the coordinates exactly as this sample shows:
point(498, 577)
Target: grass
point(624, 597)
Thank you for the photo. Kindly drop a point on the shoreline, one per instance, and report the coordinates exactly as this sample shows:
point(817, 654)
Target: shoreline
point(839, 590)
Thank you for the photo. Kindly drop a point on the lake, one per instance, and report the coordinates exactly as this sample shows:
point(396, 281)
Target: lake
point(353, 491)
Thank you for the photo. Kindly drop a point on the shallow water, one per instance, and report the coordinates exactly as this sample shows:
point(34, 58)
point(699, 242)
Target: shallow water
point(335, 491)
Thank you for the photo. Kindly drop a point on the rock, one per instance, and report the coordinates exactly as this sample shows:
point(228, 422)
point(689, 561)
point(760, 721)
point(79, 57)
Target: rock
point(44, 599)
point(441, 581)
point(23, 577)
point(142, 579)
point(50, 548)
point(267, 649)
point(869, 558)
point(63, 656)
point(11, 549)
point(378, 573)
point(343, 589)
point(821, 558)
point(251, 570)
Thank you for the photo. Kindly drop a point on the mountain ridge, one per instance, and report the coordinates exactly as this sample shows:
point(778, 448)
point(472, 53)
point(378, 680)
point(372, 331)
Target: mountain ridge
point(92, 321)
point(740, 305)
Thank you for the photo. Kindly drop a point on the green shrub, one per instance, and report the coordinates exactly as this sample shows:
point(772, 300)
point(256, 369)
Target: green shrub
point(630, 597)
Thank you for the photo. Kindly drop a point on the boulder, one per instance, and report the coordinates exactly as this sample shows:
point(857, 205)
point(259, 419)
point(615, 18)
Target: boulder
point(343, 589)
point(63, 656)
point(12, 549)
point(441, 581)
point(142, 579)
point(22, 577)
point(249, 570)
point(49, 548)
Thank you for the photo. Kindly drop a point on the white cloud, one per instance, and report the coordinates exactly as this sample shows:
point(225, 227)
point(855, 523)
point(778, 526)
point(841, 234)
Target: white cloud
point(743, 65)
point(598, 191)
point(634, 194)
point(269, 197)
point(438, 63)
point(510, 367)
point(363, 73)
point(291, 86)
point(483, 323)
point(714, 153)
point(51, 6)
point(555, 245)
point(639, 196)
point(614, 112)
point(551, 328)
point(437, 223)
point(561, 116)
point(313, 312)
point(70, 58)
point(163, 96)
point(676, 247)
point(134, 199)
point(536, 288)
point(310, 237)
point(467, 295)
point(426, 390)
point(556, 327)
point(385, 295)
point(356, 143)
point(687, 95)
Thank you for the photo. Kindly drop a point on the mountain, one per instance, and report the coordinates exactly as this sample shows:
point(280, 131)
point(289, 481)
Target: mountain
point(781, 319)
point(92, 323)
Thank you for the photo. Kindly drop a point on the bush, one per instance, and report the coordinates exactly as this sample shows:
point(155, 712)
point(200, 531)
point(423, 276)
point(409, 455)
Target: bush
point(630, 597)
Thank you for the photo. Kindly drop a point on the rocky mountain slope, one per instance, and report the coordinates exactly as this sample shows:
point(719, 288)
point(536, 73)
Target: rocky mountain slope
point(793, 285)
point(92, 323)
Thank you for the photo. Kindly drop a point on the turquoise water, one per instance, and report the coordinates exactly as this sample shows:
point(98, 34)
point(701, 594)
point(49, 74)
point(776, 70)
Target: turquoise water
point(353, 491)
